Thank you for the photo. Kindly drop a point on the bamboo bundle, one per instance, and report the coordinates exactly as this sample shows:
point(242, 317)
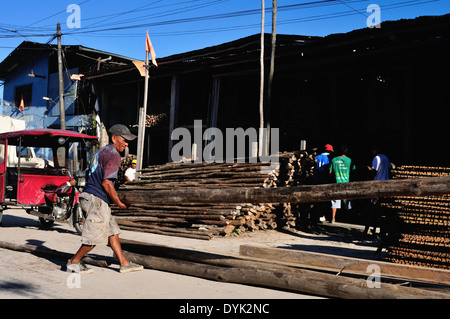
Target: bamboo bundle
point(423, 236)
point(207, 220)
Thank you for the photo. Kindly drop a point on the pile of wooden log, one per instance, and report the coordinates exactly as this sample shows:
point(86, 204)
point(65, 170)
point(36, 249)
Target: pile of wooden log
point(124, 165)
point(154, 119)
point(423, 235)
point(203, 221)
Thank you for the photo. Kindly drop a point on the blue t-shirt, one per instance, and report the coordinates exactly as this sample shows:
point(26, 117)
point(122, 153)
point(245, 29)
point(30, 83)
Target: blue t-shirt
point(322, 169)
point(382, 165)
point(104, 165)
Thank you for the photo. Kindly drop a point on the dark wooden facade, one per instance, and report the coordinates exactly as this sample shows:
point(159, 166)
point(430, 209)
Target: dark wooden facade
point(387, 86)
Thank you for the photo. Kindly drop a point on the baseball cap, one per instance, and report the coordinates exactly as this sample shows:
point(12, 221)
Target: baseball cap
point(134, 162)
point(121, 130)
point(328, 147)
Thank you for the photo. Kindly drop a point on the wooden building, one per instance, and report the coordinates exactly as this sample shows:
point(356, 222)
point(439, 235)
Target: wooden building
point(30, 75)
point(385, 85)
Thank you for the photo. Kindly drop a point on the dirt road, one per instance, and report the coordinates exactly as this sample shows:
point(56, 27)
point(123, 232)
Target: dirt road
point(26, 276)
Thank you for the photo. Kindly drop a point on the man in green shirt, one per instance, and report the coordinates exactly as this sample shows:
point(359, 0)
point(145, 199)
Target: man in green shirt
point(341, 166)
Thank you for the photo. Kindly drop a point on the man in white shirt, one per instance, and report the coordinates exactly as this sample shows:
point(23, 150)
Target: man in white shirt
point(130, 173)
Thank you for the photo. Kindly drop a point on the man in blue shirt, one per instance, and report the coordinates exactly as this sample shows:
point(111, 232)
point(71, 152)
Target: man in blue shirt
point(381, 165)
point(322, 168)
point(322, 176)
point(100, 226)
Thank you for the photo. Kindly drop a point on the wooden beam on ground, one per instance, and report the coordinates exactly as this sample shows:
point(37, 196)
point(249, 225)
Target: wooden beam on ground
point(299, 280)
point(287, 260)
point(212, 258)
point(295, 194)
point(51, 252)
point(348, 265)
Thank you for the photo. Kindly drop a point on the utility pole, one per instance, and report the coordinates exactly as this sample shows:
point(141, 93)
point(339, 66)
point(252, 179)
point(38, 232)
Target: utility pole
point(143, 113)
point(261, 85)
point(268, 104)
point(62, 111)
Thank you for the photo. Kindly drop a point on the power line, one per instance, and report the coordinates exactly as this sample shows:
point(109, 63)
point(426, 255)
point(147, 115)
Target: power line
point(326, 16)
point(112, 32)
point(229, 15)
point(347, 5)
point(182, 20)
point(212, 17)
point(50, 16)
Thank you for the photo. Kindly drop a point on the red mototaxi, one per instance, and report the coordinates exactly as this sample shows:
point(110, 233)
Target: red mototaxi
point(51, 189)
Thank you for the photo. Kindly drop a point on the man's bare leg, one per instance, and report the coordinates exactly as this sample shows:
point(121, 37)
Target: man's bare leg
point(114, 242)
point(333, 214)
point(75, 264)
point(84, 249)
point(125, 264)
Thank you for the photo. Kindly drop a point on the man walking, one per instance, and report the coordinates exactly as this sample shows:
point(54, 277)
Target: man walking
point(341, 167)
point(100, 226)
point(322, 176)
point(322, 167)
point(381, 165)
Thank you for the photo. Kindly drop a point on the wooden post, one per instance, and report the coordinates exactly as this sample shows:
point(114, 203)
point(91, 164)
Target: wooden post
point(62, 106)
point(213, 111)
point(174, 103)
point(261, 84)
point(302, 145)
point(142, 118)
point(76, 165)
point(268, 104)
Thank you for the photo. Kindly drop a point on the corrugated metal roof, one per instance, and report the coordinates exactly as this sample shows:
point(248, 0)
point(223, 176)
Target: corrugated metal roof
point(28, 51)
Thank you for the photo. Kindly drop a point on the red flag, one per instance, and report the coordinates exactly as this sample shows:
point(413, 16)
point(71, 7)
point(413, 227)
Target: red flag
point(149, 48)
point(22, 104)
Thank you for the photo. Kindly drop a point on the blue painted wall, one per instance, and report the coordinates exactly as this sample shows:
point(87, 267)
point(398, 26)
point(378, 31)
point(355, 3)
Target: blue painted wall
point(41, 113)
point(33, 115)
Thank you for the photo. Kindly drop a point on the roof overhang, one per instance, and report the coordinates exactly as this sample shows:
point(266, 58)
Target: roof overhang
point(28, 51)
point(44, 137)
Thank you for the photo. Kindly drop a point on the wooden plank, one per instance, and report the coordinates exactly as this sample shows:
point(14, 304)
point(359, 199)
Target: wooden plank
point(304, 281)
point(295, 194)
point(347, 264)
point(51, 252)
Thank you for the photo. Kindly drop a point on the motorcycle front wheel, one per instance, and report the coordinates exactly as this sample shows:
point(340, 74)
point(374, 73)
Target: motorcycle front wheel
point(45, 223)
point(78, 217)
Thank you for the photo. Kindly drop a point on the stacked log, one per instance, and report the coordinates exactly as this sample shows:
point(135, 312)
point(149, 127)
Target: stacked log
point(124, 165)
point(298, 170)
point(157, 118)
point(423, 235)
point(203, 221)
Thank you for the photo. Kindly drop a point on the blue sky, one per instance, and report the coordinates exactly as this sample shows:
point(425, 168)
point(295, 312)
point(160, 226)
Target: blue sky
point(177, 26)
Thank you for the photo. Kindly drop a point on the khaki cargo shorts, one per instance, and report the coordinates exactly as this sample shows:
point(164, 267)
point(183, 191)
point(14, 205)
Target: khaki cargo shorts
point(99, 224)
